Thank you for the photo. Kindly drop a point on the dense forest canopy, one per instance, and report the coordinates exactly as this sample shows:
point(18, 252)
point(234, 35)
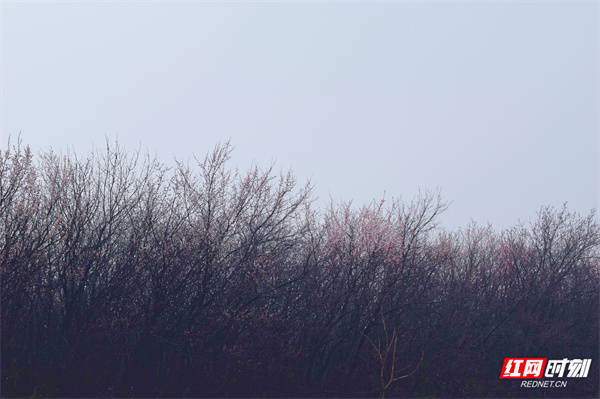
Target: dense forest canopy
point(122, 276)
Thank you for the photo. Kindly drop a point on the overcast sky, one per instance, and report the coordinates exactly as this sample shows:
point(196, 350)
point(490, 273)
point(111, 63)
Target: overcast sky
point(496, 104)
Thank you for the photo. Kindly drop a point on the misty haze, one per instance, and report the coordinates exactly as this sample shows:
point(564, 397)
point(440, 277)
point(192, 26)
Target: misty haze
point(308, 199)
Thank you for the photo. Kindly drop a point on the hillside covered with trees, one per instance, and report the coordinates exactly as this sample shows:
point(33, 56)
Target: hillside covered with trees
point(121, 276)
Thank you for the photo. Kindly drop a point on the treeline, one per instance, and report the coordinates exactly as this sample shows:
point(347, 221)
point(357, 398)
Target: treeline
point(122, 277)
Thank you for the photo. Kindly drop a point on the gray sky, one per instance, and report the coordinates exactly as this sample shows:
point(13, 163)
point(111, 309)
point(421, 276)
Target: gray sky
point(496, 104)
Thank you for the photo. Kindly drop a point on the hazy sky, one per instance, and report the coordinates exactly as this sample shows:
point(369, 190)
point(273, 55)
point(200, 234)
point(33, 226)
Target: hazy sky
point(496, 104)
